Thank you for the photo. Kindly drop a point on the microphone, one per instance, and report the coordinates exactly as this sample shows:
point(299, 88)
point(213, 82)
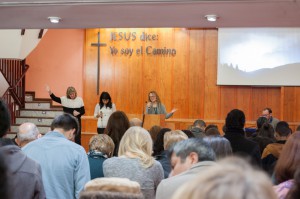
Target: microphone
point(148, 107)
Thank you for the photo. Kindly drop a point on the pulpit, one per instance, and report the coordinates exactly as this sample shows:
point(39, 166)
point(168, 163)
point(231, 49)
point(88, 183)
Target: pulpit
point(152, 119)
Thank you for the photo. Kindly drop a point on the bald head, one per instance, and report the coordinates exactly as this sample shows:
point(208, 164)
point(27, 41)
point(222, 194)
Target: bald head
point(27, 133)
point(135, 122)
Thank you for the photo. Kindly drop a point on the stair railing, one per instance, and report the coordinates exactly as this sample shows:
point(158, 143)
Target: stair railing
point(14, 72)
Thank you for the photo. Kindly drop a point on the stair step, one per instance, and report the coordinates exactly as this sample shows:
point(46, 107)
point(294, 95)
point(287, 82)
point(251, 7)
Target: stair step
point(43, 129)
point(28, 98)
point(37, 105)
point(41, 113)
point(36, 121)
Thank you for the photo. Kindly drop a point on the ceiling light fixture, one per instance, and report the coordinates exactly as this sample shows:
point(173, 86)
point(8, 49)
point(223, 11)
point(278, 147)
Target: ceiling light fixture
point(211, 17)
point(54, 19)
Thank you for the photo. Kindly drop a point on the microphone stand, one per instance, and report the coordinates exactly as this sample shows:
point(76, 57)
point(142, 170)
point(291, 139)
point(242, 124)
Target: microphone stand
point(143, 115)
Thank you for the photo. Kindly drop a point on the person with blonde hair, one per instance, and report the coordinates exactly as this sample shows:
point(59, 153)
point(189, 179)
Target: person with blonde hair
point(111, 188)
point(71, 104)
point(101, 147)
point(232, 178)
point(170, 138)
point(135, 161)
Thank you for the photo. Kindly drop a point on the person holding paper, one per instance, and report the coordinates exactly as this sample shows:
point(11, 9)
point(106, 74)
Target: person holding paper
point(103, 110)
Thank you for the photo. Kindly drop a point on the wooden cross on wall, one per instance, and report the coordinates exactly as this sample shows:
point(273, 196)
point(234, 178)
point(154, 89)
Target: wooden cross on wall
point(98, 45)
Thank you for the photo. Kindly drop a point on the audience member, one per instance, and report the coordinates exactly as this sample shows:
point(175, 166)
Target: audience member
point(158, 145)
point(235, 122)
point(190, 158)
point(298, 128)
point(111, 188)
point(101, 147)
point(3, 176)
point(264, 136)
point(198, 128)
point(117, 125)
point(24, 174)
point(154, 130)
point(135, 122)
point(135, 161)
point(287, 165)
point(211, 126)
point(220, 145)
point(170, 138)
point(188, 133)
point(294, 192)
point(267, 113)
point(232, 178)
point(65, 166)
point(28, 132)
point(212, 132)
point(272, 151)
point(4, 119)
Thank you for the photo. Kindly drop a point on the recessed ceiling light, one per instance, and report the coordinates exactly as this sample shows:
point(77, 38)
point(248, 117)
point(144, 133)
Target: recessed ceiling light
point(54, 19)
point(211, 17)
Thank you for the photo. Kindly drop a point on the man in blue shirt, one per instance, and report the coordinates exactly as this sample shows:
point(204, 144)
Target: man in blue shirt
point(65, 167)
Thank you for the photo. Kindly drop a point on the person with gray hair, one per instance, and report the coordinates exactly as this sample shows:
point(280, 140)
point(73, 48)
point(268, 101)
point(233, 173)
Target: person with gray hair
point(135, 122)
point(27, 133)
point(198, 128)
point(189, 159)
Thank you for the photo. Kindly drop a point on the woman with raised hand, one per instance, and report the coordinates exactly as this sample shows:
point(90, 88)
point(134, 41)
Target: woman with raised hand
point(154, 106)
point(71, 104)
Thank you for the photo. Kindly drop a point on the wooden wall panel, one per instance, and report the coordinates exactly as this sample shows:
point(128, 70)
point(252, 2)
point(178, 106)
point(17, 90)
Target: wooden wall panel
point(186, 80)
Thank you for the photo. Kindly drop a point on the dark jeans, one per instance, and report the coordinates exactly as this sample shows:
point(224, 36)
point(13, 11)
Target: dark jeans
point(100, 130)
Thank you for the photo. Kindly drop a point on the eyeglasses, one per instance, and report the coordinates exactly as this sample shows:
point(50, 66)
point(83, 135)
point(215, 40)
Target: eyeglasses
point(152, 96)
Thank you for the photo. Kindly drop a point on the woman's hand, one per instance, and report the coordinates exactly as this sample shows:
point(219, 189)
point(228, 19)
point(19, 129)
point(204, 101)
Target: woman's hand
point(75, 113)
point(48, 89)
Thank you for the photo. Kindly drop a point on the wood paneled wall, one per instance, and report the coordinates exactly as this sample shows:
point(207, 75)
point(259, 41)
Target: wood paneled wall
point(186, 81)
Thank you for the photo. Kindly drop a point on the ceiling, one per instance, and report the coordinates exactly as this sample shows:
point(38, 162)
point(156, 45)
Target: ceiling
point(27, 14)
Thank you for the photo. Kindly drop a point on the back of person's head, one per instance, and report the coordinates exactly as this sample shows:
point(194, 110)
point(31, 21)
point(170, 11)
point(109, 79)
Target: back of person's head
point(266, 130)
point(117, 124)
point(66, 122)
point(289, 159)
point(188, 133)
point(135, 122)
point(260, 121)
point(294, 192)
point(298, 128)
point(199, 123)
point(235, 120)
point(220, 145)
point(230, 178)
point(27, 132)
point(4, 118)
point(158, 145)
point(212, 132)
point(283, 129)
point(102, 143)
point(172, 137)
point(203, 150)
point(211, 126)
point(137, 142)
point(111, 188)
point(154, 130)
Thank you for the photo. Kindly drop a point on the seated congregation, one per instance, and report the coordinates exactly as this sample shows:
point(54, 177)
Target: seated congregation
point(128, 161)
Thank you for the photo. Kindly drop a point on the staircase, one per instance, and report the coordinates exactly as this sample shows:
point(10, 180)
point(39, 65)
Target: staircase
point(38, 111)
